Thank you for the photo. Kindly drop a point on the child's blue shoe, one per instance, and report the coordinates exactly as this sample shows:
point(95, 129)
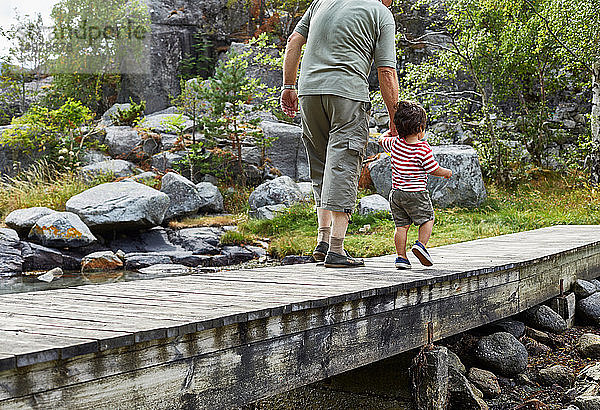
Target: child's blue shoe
point(420, 252)
point(402, 263)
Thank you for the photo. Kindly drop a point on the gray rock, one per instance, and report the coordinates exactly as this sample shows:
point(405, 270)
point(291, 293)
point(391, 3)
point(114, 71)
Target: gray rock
point(464, 189)
point(557, 374)
point(192, 261)
point(166, 160)
point(185, 197)
point(587, 402)
point(155, 240)
point(485, 381)
point(22, 220)
point(38, 257)
point(539, 335)
point(544, 318)
point(169, 142)
point(120, 206)
point(588, 345)
point(198, 240)
point(307, 191)
point(597, 283)
point(454, 361)
point(237, 254)
point(514, 327)
point(91, 156)
point(116, 168)
point(282, 190)
point(287, 152)
point(51, 275)
point(100, 262)
point(122, 141)
point(161, 123)
point(372, 204)
point(502, 353)
point(62, 230)
point(135, 261)
point(11, 261)
point(583, 288)
point(587, 382)
point(164, 269)
point(461, 394)
point(268, 212)
point(296, 260)
point(212, 200)
point(589, 308)
point(107, 118)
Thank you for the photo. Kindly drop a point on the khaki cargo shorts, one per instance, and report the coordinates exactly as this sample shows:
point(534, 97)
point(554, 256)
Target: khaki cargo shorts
point(336, 133)
point(411, 207)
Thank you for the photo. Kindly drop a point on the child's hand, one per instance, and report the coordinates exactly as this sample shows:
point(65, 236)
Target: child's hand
point(448, 174)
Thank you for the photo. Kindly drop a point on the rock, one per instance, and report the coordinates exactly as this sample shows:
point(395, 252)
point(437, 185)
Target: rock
point(62, 230)
point(485, 381)
point(588, 345)
point(307, 191)
point(126, 142)
point(101, 261)
point(503, 353)
point(117, 168)
point(587, 402)
point(372, 204)
point(597, 283)
point(164, 269)
point(514, 327)
point(145, 177)
point(461, 394)
point(544, 318)
point(91, 156)
point(170, 142)
point(51, 275)
point(192, 261)
point(588, 381)
point(135, 261)
point(120, 206)
point(162, 123)
point(583, 288)
point(201, 241)
point(557, 374)
point(22, 220)
point(153, 240)
point(539, 336)
point(185, 197)
point(464, 189)
point(11, 261)
point(268, 211)
point(107, 118)
point(237, 254)
point(535, 348)
point(589, 308)
point(166, 160)
point(37, 257)
point(296, 260)
point(212, 200)
point(282, 190)
point(454, 361)
point(287, 153)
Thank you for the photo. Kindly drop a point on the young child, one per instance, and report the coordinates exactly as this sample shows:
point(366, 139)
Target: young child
point(412, 161)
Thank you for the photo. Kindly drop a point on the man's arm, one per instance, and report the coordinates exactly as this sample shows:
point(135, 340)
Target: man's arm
point(388, 84)
point(293, 50)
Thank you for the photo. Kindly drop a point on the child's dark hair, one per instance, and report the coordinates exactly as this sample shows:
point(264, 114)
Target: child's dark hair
point(410, 118)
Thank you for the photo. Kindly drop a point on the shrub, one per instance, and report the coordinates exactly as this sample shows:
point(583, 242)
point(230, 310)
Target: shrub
point(129, 116)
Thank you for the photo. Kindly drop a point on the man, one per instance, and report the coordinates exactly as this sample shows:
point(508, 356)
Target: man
point(343, 38)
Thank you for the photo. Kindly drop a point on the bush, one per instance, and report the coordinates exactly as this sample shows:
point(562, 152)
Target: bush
point(129, 116)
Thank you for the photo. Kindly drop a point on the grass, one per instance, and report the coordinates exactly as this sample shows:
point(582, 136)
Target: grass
point(204, 221)
point(550, 200)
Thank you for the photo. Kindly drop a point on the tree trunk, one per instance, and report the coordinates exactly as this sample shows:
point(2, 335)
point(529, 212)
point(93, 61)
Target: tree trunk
point(595, 119)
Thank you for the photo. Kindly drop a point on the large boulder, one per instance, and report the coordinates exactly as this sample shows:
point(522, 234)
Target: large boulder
point(557, 374)
point(268, 211)
point(372, 204)
point(155, 240)
point(127, 142)
point(462, 394)
point(589, 308)
point(588, 380)
point(166, 160)
point(544, 318)
point(185, 197)
point(120, 206)
point(38, 257)
point(282, 190)
point(583, 288)
point(22, 220)
point(62, 230)
point(212, 200)
point(588, 345)
point(11, 261)
point(117, 168)
point(287, 153)
point(503, 353)
point(198, 240)
point(92, 156)
point(485, 381)
point(464, 189)
point(107, 118)
point(100, 262)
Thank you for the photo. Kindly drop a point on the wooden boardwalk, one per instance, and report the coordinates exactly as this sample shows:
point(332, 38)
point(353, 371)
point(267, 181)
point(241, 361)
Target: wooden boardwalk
point(223, 339)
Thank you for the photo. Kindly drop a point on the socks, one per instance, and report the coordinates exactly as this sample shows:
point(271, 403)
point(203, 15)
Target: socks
point(336, 245)
point(324, 234)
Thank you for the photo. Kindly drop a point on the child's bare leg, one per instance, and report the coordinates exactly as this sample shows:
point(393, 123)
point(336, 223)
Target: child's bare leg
point(400, 240)
point(425, 232)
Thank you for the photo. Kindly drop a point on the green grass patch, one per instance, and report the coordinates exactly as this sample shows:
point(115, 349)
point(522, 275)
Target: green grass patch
point(237, 238)
point(548, 201)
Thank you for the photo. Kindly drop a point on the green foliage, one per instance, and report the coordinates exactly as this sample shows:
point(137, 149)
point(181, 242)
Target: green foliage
point(236, 238)
point(199, 62)
point(129, 116)
point(201, 160)
point(58, 132)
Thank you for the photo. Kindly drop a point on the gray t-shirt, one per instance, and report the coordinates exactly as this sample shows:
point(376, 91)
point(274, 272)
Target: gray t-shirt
point(343, 39)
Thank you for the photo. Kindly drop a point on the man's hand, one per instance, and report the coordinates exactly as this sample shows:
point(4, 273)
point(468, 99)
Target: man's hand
point(289, 102)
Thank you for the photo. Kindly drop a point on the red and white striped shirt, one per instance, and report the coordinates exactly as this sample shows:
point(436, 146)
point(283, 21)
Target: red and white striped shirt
point(410, 163)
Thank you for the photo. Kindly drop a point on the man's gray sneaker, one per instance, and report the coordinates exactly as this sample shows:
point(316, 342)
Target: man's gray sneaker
point(335, 260)
point(320, 251)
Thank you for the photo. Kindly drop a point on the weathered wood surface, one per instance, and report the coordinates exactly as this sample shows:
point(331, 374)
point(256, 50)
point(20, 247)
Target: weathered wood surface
point(223, 339)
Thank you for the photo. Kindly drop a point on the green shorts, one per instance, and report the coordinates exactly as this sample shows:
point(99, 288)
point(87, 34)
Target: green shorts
point(411, 207)
point(336, 133)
